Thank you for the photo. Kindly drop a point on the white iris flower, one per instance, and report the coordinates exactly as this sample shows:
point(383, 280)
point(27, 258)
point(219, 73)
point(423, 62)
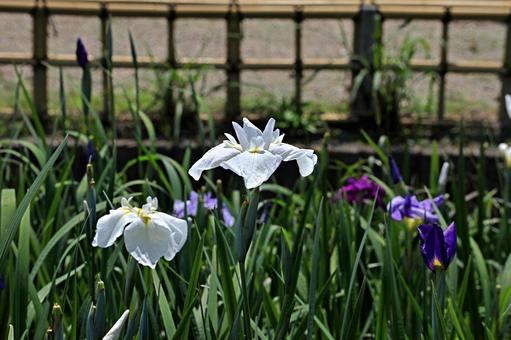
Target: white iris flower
point(255, 155)
point(148, 234)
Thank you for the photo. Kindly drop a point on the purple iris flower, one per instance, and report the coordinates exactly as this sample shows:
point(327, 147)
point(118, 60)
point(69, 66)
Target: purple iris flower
point(394, 171)
point(2, 281)
point(210, 203)
point(358, 190)
point(409, 207)
point(81, 54)
point(437, 246)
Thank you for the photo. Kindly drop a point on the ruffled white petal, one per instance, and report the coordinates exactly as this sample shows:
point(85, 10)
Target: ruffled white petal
point(111, 226)
point(212, 159)
point(147, 243)
point(306, 164)
point(255, 167)
point(305, 158)
point(179, 233)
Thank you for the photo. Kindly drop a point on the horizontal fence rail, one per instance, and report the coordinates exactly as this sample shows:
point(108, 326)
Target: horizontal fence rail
point(233, 12)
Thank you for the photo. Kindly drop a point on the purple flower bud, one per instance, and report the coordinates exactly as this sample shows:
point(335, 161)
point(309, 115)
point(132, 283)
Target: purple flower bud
point(437, 246)
point(91, 155)
point(394, 171)
point(81, 54)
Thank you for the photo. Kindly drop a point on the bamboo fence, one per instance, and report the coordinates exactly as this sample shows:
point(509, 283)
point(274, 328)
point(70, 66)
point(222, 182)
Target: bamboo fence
point(233, 13)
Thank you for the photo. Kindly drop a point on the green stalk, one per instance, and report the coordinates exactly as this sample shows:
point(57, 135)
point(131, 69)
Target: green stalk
point(440, 295)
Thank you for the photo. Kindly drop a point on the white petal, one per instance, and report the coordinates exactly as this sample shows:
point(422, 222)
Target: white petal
point(241, 134)
point(305, 158)
point(115, 331)
point(503, 146)
point(179, 233)
point(111, 226)
point(147, 243)
point(212, 159)
point(268, 132)
point(306, 164)
point(251, 130)
point(508, 104)
point(255, 168)
point(231, 138)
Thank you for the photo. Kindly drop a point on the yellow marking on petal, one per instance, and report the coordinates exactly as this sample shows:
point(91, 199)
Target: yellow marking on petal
point(257, 149)
point(412, 223)
point(143, 216)
point(437, 263)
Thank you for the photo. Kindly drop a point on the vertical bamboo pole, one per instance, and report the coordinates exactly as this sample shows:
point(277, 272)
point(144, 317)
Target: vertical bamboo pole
point(298, 71)
point(504, 120)
point(40, 55)
point(442, 71)
point(171, 60)
point(234, 35)
point(104, 84)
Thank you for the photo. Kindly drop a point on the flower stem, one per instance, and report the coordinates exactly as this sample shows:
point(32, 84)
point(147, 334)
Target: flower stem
point(438, 298)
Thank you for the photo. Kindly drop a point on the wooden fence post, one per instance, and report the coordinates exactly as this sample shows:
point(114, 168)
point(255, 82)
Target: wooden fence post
point(504, 119)
point(104, 88)
point(363, 45)
point(442, 71)
point(298, 71)
point(40, 55)
point(234, 35)
point(171, 60)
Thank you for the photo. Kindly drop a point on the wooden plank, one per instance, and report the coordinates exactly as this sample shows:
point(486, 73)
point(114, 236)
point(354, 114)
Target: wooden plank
point(419, 65)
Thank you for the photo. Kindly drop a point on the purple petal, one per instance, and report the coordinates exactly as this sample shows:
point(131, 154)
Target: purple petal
point(227, 216)
point(2, 281)
point(433, 246)
point(209, 201)
point(450, 241)
point(179, 208)
point(394, 171)
point(81, 54)
point(192, 204)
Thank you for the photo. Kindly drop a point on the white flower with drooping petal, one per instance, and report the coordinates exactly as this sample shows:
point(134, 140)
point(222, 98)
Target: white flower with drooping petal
point(255, 155)
point(506, 150)
point(148, 233)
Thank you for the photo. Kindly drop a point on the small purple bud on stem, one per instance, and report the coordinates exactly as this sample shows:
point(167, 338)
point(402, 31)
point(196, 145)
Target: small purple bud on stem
point(81, 54)
point(394, 171)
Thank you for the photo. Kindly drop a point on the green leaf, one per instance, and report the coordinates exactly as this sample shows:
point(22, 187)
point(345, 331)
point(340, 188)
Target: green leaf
point(27, 199)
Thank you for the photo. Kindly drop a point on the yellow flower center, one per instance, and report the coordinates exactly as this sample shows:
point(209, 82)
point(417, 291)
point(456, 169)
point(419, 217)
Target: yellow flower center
point(412, 223)
point(256, 149)
point(143, 216)
point(437, 263)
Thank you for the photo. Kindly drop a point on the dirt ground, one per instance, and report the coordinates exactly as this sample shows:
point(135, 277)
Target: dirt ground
point(470, 95)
